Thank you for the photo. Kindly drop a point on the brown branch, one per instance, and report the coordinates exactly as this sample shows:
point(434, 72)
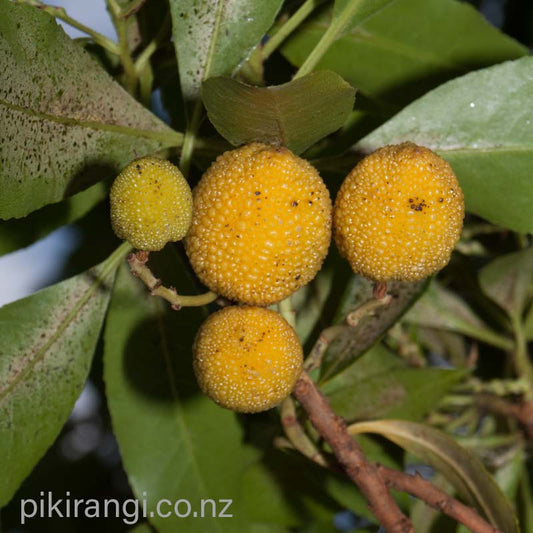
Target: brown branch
point(522, 412)
point(363, 473)
point(434, 497)
point(380, 290)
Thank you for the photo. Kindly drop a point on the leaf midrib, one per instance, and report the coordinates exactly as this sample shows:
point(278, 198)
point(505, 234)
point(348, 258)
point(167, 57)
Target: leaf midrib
point(361, 35)
point(163, 136)
point(487, 150)
point(214, 35)
point(41, 353)
point(178, 411)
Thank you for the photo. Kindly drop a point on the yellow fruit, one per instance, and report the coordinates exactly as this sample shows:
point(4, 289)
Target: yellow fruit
point(261, 224)
point(247, 358)
point(151, 204)
point(399, 214)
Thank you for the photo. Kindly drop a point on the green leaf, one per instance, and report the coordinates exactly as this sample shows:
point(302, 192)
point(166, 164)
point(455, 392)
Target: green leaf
point(346, 14)
point(407, 48)
point(440, 308)
point(355, 12)
point(296, 114)
point(507, 281)
point(352, 342)
point(212, 37)
point(528, 324)
point(142, 528)
point(510, 474)
point(66, 123)
point(286, 489)
point(526, 502)
point(264, 500)
point(15, 234)
point(315, 302)
point(461, 468)
point(379, 385)
point(467, 122)
point(46, 345)
point(175, 443)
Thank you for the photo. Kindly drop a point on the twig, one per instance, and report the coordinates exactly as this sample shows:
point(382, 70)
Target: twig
point(130, 75)
point(522, 412)
point(364, 474)
point(427, 492)
point(287, 311)
point(144, 57)
point(328, 335)
point(132, 9)
point(334, 31)
point(137, 262)
point(521, 358)
point(400, 481)
point(380, 290)
point(189, 140)
point(497, 387)
point(367, 308)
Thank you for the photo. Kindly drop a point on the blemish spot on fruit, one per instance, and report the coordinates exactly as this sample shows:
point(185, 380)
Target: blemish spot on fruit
point(383, 236)
point(151, 204)
point(273, 239)
point(247, 377)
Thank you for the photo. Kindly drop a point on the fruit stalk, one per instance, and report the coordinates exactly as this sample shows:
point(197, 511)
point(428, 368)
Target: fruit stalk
point(137, 262)
point(363, 473)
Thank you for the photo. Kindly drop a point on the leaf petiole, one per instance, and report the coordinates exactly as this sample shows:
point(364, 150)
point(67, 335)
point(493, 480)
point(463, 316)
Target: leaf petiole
point(289, 26)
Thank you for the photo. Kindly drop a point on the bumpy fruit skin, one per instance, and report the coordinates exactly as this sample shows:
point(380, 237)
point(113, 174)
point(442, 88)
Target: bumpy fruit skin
point(247, 359)
point(399, 214)
point(151, 204)
point(261, 224)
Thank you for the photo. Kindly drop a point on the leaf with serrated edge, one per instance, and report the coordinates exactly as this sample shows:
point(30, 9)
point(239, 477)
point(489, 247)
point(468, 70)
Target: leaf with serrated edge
point(296, 114)
point(175, 443)
point(467, 122)
point(352, 342)
point(407, 48)
point(212, 37)
point(463, 470)
point(46, 345)
point(66, 124)
point(507, 280)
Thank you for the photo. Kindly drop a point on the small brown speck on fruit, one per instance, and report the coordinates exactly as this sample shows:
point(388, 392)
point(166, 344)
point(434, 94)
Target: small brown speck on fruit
point(247, 358)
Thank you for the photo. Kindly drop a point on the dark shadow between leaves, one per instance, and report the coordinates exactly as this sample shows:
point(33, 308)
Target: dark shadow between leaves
point(301, 485)
point(91, 173)
point(157, 360)
point(342, 274)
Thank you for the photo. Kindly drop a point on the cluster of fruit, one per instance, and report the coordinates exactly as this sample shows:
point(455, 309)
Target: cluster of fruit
point(258, 227)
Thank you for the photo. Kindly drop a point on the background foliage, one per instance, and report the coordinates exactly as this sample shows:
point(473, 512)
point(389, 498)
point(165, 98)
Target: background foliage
point(411, 378)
